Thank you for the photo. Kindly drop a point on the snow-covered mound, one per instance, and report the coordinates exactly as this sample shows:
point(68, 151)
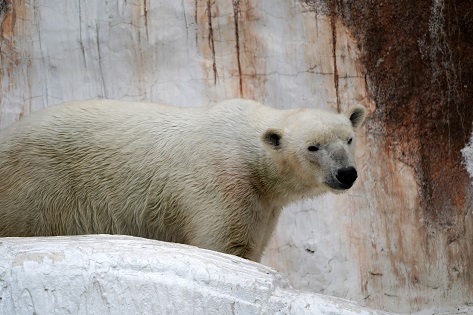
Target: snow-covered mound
point(103, 274)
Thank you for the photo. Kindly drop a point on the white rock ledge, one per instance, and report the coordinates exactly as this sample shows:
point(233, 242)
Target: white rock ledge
point(103, 274)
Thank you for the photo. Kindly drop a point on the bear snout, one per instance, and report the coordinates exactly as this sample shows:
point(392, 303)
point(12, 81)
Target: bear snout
point(346, 176)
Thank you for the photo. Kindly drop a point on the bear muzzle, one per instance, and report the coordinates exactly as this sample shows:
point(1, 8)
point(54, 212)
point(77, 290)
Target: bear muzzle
point(346, 177)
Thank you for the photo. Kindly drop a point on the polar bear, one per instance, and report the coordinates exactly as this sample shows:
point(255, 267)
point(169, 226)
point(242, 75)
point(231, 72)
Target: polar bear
point(215, 177)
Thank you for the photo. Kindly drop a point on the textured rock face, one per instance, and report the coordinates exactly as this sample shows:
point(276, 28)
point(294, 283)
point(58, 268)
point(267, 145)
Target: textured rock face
point(125, 275)
point(419, 68)
point(424, 96)
point(401, 238)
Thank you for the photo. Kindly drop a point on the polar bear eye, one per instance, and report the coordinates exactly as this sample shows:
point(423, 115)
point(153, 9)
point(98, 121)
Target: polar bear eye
point(350, 140)
point(313, 148)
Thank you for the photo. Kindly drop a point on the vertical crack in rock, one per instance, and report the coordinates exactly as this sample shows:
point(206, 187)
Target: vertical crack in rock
point(196, 22)
point(145, 14)
point(185, 21)
point(44, 64)
point(102, 78)
point(81, 40)
point(334, 54)
point(211, 39)
point(236, 14)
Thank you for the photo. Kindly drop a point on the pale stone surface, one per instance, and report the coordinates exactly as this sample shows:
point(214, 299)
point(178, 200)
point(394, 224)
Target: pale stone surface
point(104, 274)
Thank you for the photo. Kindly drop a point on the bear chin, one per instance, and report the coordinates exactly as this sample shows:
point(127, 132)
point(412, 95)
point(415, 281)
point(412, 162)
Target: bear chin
point(336, 187)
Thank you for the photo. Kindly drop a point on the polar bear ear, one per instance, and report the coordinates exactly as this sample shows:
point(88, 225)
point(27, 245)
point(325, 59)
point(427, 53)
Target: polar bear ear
point(272, 137)
point(357, 115)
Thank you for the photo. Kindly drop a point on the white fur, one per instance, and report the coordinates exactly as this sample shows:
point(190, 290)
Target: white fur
point(202, 176)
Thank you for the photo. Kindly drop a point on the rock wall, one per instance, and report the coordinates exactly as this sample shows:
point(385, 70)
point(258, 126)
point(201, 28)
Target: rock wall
point(401, 239)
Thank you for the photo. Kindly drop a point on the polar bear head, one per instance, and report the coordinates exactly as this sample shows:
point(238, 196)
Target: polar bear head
point(314, 150)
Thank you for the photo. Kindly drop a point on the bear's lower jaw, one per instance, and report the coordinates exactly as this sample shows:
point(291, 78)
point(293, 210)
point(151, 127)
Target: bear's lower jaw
point(337, 186)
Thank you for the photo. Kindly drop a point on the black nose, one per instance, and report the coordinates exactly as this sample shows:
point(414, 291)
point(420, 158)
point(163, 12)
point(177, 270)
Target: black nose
point(347, 176)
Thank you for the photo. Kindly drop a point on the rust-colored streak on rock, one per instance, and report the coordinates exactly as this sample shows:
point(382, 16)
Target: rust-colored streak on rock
point(236, 16)
point(145, 13)
point(419, 65)
point(418, 56)
point(333, 19)
point(7, 31)
point(11, 14)
point(251, 49)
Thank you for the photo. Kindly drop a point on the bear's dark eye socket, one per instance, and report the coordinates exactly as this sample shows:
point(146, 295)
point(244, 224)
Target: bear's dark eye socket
point(313, 148)
point(350, 140)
